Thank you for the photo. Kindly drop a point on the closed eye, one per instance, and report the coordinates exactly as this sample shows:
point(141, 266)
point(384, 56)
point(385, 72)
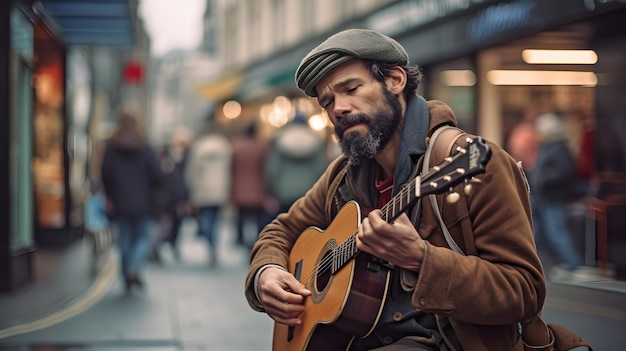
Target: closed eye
point(326, 103)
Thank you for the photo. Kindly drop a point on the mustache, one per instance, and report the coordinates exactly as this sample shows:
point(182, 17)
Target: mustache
point(349, 121)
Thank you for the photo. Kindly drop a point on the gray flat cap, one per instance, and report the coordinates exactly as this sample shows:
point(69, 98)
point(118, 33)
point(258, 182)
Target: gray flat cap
point(343, 46)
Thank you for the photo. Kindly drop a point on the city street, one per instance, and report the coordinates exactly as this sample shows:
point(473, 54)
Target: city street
point(189, 306)
point(140, 111)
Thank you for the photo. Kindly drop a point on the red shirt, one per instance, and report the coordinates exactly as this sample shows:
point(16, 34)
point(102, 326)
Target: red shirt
point(385, 188)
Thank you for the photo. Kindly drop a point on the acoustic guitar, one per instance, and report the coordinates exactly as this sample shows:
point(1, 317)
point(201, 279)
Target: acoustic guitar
point(349, 287)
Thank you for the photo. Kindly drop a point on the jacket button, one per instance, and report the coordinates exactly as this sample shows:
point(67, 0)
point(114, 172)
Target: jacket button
point(397, 316)
point(387, 340)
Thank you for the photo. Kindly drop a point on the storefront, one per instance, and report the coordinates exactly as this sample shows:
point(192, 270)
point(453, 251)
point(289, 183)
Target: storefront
point(61, 143)
point(37, 179)
point(50, 130)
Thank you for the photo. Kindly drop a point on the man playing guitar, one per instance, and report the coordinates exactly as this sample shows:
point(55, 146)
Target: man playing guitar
point(407, 290)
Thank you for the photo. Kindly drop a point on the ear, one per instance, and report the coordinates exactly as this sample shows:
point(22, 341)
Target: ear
point(396, 80)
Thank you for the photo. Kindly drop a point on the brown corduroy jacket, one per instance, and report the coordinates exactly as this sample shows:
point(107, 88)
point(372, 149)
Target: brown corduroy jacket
point(482, 295)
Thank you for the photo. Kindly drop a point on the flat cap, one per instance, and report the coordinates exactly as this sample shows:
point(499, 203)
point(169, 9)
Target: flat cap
point(343, 46)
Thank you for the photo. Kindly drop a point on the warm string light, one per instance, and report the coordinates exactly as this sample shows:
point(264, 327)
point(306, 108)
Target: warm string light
point(527, 77)
point(560, 57)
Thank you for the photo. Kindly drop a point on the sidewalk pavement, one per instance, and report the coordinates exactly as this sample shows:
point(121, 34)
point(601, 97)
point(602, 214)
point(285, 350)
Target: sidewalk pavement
point(186, 306)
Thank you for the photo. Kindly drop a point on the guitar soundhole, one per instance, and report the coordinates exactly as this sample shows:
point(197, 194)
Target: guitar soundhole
point(323, 274)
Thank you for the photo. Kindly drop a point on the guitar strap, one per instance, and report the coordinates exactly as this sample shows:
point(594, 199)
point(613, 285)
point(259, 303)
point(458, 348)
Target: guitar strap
point(447, 137)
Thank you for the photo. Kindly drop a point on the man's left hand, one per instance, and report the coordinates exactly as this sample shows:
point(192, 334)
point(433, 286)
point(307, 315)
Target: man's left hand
point(397, 242)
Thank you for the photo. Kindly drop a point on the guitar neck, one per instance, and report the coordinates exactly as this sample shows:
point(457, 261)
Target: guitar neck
point(401, 202)
point(394, 208)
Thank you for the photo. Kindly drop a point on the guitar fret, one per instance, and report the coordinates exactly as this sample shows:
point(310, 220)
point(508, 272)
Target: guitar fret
point(343, 253)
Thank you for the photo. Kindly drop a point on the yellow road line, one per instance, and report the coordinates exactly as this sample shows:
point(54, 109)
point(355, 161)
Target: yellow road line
point(94, 294)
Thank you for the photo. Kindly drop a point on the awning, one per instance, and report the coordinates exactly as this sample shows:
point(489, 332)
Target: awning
point(90, 22)
point(222, 88)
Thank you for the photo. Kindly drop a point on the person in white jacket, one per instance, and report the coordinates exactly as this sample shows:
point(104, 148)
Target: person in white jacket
point(208, 178)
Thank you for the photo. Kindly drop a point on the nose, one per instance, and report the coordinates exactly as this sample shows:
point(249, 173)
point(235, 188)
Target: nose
point(341, 107)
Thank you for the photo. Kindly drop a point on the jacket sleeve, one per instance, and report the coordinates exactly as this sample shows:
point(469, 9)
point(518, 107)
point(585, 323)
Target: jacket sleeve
point(277, 238)
point(503, 282)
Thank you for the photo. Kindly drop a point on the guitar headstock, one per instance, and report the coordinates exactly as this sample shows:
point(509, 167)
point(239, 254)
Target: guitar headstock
point(462, 165)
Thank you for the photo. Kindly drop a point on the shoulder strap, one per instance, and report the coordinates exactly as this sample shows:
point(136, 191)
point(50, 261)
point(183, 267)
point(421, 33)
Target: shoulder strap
point(439, 147)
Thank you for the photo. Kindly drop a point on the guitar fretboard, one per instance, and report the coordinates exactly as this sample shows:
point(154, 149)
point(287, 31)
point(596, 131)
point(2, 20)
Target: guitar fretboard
point(394, 208)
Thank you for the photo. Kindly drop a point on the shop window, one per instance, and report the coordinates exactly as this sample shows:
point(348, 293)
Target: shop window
point(454, 83)
point(48, 161)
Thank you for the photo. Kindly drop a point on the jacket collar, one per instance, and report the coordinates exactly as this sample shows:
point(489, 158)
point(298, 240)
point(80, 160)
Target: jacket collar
point(412, 141)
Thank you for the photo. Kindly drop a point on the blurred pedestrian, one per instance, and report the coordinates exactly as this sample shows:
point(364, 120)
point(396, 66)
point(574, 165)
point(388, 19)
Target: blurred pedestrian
point(175, 195)
point(553, 187)
point(131, 176)
point(208, 179)
point(522, 141)
point(248, 186)
point(297, 159)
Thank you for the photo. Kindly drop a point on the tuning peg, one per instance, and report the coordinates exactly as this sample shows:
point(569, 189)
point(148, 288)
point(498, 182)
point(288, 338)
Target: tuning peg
point(476, 181)
point(467, 189)
point(469, 185)
point(453, 197)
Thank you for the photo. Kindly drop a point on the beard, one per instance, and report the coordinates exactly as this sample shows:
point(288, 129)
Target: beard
point(382, 123)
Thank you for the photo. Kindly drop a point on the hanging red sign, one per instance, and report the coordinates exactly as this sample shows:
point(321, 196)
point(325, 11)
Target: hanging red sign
point(133, 73)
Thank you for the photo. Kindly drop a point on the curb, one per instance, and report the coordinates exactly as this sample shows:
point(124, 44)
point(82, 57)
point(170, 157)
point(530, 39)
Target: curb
point(93, 294)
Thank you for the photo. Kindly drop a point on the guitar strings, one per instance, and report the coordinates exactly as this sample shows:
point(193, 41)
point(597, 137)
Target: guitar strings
point(326, 263)
point(350, 243)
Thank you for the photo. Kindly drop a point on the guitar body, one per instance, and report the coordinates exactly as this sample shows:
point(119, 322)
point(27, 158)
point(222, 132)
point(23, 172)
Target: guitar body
point(344, 304)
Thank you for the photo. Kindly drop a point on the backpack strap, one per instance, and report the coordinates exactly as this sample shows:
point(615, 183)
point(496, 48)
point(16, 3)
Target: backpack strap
point(439, 147)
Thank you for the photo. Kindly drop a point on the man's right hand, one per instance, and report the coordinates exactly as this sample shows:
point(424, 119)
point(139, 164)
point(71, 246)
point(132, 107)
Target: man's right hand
point(282, 295)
